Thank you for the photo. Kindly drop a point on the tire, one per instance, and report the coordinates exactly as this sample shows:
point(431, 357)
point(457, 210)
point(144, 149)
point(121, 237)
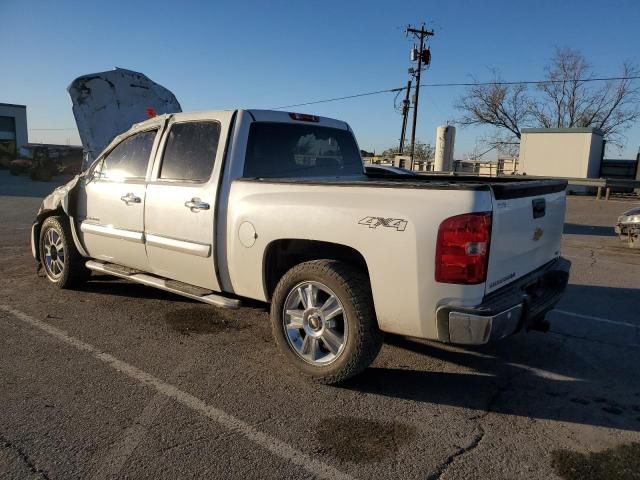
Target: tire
point(338, 345)
point(55, 237)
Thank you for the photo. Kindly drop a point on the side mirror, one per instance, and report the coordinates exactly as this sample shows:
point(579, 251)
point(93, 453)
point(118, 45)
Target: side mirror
point(93, 172)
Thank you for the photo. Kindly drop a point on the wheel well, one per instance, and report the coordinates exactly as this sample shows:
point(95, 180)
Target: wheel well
point(282, 255)
point(39, 221)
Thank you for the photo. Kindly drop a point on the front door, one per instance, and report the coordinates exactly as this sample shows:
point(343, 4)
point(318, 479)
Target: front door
point(111, 204)
point(181, 196)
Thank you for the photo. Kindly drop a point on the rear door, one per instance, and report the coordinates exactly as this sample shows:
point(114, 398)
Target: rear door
point(111, 207)
point(180, 206)
point(528, 218)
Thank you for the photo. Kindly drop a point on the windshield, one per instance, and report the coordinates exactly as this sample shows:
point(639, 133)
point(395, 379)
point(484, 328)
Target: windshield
point(289, 150)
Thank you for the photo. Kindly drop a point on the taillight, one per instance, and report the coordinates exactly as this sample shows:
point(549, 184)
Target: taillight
point(304, 117)
point(462, 251)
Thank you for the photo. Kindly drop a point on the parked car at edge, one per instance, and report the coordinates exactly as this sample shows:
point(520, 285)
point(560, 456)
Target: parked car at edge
point(628, 227)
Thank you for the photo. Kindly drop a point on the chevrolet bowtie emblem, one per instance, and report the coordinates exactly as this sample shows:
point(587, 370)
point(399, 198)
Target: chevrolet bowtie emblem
point(537, 234)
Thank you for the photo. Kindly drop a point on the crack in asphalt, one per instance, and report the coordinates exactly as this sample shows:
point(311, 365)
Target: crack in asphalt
point(442, 469)
point(593, 258)
point(479, 436)
point(22, 455)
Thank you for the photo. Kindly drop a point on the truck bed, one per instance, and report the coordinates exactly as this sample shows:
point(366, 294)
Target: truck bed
point(503, 187)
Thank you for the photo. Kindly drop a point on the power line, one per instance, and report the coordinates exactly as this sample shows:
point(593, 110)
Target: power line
point(388, 90)
point(453, 84)
point(399, 89)
point(530, 82)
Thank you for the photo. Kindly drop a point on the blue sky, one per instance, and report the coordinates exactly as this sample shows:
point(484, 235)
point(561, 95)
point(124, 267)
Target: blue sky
point(271, 53)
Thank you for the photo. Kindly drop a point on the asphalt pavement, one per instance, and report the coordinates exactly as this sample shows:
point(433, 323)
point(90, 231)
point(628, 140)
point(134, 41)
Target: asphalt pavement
point(118, 380)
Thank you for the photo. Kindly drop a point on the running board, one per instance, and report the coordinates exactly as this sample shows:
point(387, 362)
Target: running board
point(179, 288)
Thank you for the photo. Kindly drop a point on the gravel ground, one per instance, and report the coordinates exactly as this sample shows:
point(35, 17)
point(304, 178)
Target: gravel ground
point(118, 380)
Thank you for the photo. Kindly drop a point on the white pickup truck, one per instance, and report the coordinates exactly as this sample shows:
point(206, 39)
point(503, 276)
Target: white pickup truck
point(275, 206)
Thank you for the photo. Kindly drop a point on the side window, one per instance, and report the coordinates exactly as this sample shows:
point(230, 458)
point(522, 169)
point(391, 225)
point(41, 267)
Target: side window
point(190, 151)
point(129, 159)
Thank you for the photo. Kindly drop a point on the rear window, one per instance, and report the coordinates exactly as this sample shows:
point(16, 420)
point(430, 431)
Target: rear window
point(289, 150)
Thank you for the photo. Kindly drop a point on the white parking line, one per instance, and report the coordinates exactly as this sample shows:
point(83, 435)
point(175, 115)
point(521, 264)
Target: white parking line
point(112, 463)
point(595, 319)
point(266, 441)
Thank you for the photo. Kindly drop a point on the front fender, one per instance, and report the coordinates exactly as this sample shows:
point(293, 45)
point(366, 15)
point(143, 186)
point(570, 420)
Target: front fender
point(60, 201)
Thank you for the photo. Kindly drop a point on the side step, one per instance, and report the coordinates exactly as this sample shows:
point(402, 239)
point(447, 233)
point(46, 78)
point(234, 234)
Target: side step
point(173, 286)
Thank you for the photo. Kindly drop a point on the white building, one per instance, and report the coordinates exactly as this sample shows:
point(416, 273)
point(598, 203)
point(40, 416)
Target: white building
point(13, 129)
point(561, 152)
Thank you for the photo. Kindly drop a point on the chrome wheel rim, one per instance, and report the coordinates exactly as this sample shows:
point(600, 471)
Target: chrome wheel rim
point(54, 254)
point(315, 323)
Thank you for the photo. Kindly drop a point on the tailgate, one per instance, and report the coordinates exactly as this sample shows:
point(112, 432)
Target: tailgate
point(528, 219)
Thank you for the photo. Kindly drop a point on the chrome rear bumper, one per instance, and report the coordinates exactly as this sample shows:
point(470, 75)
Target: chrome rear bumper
point(522, 304)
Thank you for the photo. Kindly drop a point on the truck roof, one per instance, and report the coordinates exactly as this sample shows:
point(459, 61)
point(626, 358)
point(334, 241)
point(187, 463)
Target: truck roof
point(258, 115)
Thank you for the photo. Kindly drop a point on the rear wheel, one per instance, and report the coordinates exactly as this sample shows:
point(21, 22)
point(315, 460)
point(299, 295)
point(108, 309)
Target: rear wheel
point(323, 320)
point(62, 263)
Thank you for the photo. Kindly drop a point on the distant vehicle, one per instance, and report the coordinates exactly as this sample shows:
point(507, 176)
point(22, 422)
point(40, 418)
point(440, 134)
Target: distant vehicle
point(628, 227)
point(41, 167)
point(20, 166)
point(387, 170)
point(275, 206)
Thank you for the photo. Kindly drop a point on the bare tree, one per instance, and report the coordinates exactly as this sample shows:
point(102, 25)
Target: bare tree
point(572, 99)
point(569, 98)
point(506, 107)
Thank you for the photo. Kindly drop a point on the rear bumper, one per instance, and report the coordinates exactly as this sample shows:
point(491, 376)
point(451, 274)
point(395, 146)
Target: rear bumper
point(521, 305)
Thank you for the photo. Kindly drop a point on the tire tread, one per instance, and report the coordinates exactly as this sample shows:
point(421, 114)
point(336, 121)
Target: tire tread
point(75, 272)
point(356, 284)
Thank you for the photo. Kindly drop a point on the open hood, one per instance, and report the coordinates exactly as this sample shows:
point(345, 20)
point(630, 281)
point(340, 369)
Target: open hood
point(106, 104)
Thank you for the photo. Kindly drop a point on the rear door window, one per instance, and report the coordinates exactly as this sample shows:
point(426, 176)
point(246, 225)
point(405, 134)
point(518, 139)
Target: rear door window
point(129, 159)
point(290, 150)
point(190, 151)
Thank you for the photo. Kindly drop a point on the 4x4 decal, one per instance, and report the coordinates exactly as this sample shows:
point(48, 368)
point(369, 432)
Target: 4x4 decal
point(374, 222)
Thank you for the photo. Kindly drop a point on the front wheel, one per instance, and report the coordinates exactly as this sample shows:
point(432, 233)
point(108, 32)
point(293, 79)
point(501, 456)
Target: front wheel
point(62, 263)
point(323, 320)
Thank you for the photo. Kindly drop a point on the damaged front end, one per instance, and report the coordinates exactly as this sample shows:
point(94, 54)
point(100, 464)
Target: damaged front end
point(61, 201)
point(628, 227)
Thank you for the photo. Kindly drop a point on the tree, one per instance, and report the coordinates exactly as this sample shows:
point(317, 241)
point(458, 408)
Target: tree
point(571, 99)
point(423, 151)
point(506, 107)
point(568, 98)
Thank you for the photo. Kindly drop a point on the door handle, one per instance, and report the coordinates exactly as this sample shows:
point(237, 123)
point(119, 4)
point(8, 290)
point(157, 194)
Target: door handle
point(130, 198)
point(195, 205)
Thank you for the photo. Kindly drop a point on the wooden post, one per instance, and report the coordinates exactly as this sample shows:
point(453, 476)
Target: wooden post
point(599, 194)
point(606, 195)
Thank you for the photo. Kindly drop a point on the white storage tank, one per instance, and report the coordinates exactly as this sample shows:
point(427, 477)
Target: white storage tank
point(445, 140)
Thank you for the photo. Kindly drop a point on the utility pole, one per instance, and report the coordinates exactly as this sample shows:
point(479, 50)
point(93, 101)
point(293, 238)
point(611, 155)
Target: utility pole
point(405, 116)
point(424, 58)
